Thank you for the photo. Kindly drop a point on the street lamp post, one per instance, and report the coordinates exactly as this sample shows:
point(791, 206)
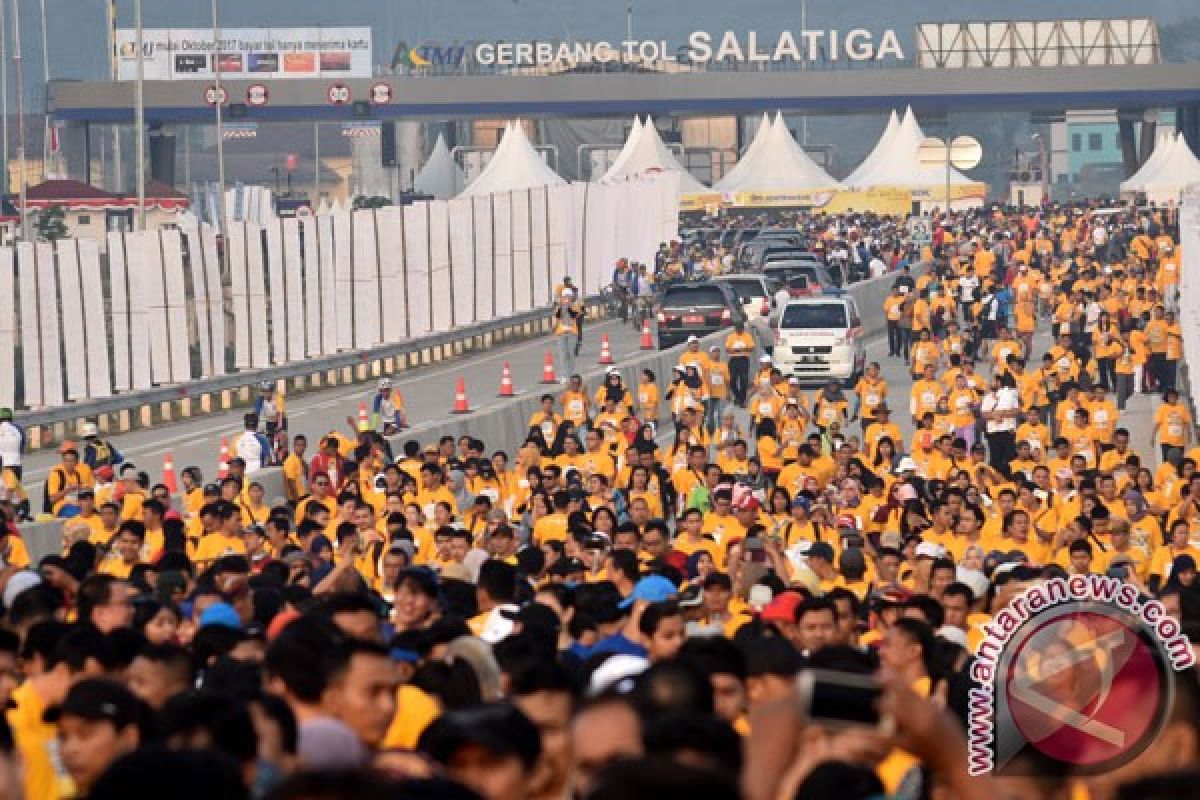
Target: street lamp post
point(1042, 165)
point(220, 133)
point(20, 77)
point(140, 116)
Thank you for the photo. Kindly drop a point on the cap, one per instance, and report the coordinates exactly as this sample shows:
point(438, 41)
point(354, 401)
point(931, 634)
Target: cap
point(759, 596)
point(498, 625)
point(802, 501)
point(567, 566)
point(385, 383)
point(691, 597)
point(764, 359)
point(88, 429)
point(221, 614)
point(749, 503)
point(613, 371)
point(930, 550)
point(19, 583)
point(847, 521)
point(821, 550)
point(652, 589)
point(616, 673)
point(692, 338)
point(100, 700)
point(782, 608)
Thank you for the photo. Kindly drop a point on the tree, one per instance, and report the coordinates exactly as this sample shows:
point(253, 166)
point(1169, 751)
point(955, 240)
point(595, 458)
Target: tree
point(363, 201)
point(51, 224)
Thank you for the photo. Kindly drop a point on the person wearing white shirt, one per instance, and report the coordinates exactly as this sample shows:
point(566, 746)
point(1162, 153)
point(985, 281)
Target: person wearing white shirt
point(12, 442)
point(1000, 408)
point(252, 447)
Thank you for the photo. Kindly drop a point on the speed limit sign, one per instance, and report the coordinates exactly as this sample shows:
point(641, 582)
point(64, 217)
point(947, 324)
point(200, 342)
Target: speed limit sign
point(215, 94)
point(381, 94)
point(257, 95)
point(339, 94)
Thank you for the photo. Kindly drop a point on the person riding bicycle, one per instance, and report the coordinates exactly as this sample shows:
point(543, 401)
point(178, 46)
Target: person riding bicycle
point(622, 276)
point(387, 409)
point(643, 293)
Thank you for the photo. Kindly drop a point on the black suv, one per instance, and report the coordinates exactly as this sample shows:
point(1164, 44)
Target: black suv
point(696, 309)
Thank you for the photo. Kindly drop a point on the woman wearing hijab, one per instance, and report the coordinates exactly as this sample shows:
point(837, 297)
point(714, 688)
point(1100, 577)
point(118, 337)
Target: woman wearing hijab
point(614, 389)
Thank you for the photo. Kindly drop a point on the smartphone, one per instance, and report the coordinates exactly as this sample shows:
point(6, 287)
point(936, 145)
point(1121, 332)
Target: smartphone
point(839, 699)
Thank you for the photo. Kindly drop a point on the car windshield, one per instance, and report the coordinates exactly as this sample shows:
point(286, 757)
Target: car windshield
point(747, 290)
point(814, 315)
point(694, 296)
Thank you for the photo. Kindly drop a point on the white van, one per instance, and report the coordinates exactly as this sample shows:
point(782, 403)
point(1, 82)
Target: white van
point(819, 338)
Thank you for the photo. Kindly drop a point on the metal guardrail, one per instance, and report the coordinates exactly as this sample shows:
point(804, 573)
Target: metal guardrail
point(131, 401)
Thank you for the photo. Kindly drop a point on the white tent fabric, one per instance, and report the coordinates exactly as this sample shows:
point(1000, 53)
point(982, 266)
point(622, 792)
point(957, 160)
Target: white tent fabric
point(1162, 144)
point(901, 167)
point(877, 153)
point(514, 165)
point(440, 177)
point(644, 154)
point(748, 157)
point(778, 164)
point(1176, 169)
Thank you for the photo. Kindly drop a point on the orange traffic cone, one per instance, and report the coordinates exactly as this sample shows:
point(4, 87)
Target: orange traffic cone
point(364, 422)
point(223, 459)
point(168, 478)
point(647, 338)
point(605, 352)
point(460, 398)
point(548, 375)
point(506, 384)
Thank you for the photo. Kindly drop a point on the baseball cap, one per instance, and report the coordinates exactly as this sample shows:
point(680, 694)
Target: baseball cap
point(652, 589)
point(221, 614)
point(821, 550)
point(100, 700)
point(536, 616)
point(749, 503)
point(848, 522)
point(782, 608)
point(691, 597)
point(930, 550)
point(496, 727)
point(802, 501)
point(692, 338)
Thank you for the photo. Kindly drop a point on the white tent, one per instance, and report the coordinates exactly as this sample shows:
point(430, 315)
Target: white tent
point(901, 167)
point(1165, 176)
point(877, 153)
point(514, 165)
point(643, 154)
point(777, 164)
point(1162, 145)
point(440, 177)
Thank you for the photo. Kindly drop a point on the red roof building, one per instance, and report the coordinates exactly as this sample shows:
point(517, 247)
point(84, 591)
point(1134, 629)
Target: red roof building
point(80, 196)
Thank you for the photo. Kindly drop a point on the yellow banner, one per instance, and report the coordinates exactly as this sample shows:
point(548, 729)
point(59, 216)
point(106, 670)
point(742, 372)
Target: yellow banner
point(880, 200)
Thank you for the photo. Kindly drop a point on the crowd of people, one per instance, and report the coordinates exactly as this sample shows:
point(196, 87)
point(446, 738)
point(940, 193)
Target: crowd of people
point(621, 605)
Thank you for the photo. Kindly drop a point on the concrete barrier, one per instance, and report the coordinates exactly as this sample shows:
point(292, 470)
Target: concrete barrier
point(505, 425)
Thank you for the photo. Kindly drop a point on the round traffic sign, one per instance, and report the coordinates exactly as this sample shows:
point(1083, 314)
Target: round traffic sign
point(339, 94)
point(381, 93)
point(965, 152)
point(214, 94)
point(257, 94)
point(932, 152)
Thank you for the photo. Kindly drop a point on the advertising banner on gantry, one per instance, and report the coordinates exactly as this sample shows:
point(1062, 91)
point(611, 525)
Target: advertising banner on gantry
point(245, 53)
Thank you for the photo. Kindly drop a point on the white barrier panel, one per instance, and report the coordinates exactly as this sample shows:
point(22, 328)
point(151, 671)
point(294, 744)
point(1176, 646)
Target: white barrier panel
point(312, 288)
point(599, 227)
point(502, 247)
point(276, 295)
point(485, 259)
point(176, 297)
point(389, 225)
point(72, 304)
point(256, 295)
point(195, 260)
point(293, 278)
point(441, 317)
point(521, 252)
point(52, 387)
point(1189, 286)
point(8, 328)
point(216, 298)
point(462, 258)
point(343, 267)
point(366, 280)
point(559, 220)
point(95, 319)
point(31, 335)
point(118, 286)
point(539, 246)
point(416, 263)
point(146, 284)
point(329, 306)
point(239, 291)
point(576, 244)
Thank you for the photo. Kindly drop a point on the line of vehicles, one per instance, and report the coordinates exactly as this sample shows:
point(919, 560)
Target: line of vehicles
point(815, 325)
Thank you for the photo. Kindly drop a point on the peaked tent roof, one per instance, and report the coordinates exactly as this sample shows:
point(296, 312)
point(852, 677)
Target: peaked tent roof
point(1175, 168)
point(1163, 143)
point(647, 154)
point(635, 131)
point(900, 166)
point(778, 164)
point(440, 176)
point(877, 152)
point(514, 165)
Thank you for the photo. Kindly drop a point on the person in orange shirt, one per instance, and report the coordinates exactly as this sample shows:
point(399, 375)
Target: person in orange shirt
point(1172, 424)
point(648, 397)
point(1157, 330)
point(1173, 352)
point(575, 403)
point(924, 395)
point(924, 353)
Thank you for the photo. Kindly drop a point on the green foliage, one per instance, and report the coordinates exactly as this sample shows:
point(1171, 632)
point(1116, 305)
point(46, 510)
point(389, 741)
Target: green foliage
point(50, 224)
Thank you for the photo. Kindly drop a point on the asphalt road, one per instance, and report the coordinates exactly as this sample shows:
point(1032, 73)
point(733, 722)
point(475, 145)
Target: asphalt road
point(429, 394)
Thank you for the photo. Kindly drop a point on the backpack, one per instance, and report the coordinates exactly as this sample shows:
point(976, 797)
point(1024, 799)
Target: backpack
point(47, 506)
point(102, 454)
